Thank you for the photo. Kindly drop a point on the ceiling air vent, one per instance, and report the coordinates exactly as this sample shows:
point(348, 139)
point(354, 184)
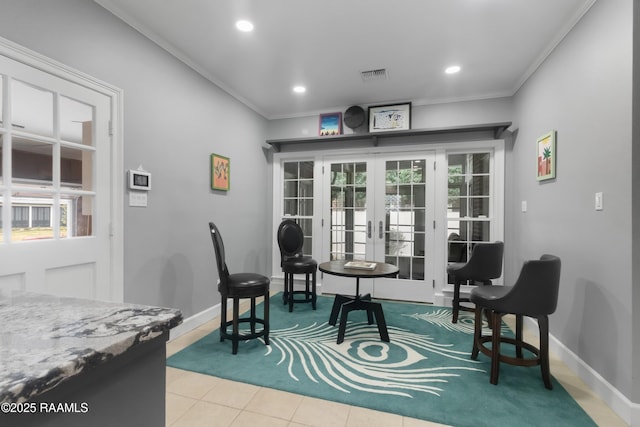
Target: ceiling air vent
point(372, 75)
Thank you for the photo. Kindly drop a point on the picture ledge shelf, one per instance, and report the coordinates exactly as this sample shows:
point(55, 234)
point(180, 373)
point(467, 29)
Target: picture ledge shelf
point(374, 137)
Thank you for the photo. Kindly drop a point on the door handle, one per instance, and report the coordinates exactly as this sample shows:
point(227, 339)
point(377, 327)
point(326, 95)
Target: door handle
point(380, 230)
point(369, 230)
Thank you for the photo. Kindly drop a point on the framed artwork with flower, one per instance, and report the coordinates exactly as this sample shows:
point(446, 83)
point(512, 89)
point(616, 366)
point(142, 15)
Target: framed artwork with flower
point(546, 156)
point(220, 172)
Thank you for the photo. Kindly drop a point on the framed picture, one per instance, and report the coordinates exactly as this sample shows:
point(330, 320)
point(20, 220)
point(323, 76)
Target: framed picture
point(220, 173)
point(385, 118)
point(330, 124)
point(546, 156)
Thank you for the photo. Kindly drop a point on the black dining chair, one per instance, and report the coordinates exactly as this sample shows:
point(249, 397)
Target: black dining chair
point(240, 286)
point(535, 294)
point(484, 265)
point(292, 261)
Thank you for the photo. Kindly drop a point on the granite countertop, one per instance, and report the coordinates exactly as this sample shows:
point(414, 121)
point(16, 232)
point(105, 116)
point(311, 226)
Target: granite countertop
point(45, 339)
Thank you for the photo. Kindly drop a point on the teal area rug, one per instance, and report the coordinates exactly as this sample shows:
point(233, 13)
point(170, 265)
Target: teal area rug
point(425, 372)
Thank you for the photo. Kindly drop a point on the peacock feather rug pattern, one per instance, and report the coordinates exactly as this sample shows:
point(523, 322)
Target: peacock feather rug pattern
point(424, 372)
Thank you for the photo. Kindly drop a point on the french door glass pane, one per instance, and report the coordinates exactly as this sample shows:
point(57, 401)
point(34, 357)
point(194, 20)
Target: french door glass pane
point(31, 109)
point(76, 215)
point(75, 121)
point(348, 211)
point(405, 216)
point(32, 162)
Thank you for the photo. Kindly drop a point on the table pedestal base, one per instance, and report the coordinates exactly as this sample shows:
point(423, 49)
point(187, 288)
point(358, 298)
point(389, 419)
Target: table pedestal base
point(346, 304)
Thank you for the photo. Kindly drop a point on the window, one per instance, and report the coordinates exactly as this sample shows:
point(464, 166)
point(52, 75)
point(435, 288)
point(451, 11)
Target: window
point(298, 198)
point(469, 200)
point(49, 148)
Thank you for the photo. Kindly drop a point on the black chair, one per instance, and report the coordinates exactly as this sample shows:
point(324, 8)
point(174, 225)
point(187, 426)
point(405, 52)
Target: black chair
point(238, 286)
point(535, 294)
point(484, 265)
point(292, 261)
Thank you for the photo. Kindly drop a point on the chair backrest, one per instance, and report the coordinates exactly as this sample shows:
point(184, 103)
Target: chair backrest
point(536, 290)
point(290, 239)
point(218, 246)
point(486, 260)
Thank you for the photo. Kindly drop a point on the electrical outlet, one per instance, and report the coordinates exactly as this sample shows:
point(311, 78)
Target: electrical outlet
point(524, 206)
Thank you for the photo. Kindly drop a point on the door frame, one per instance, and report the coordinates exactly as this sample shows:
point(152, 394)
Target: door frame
point(42, 63)
point(441, 149)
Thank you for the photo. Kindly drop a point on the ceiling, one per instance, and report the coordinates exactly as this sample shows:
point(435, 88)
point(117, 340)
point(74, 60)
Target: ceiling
point(326, 44)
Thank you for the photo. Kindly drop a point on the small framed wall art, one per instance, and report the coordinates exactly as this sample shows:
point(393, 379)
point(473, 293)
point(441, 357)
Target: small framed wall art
point(383, 118)
point(330, 124)
point(546, 156)
point(220, 172)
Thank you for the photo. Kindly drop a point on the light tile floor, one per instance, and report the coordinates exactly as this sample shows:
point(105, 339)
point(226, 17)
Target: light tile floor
point(196, 400)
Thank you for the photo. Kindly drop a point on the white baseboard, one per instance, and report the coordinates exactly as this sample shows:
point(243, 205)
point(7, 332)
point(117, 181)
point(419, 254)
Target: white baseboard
point(194, 321)
point(618, 402)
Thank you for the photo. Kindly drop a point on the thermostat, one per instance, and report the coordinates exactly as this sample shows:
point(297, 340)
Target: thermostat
point(139, 180)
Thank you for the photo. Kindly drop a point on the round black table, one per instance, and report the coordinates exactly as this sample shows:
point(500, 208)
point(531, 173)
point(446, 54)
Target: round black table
point(346, 303)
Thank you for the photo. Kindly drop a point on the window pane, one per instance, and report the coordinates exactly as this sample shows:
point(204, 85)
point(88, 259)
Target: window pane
point(291, 207)
point(76, 215)
point(31, 216)
point(76, 168)
point(290, 188)
point(32, 161)
point(306, 207)
point(480, 163)
point(480, 185)
point(306, 188)
point(75, 121)
point(306, 170)
point(31, 109)
point(290, 171)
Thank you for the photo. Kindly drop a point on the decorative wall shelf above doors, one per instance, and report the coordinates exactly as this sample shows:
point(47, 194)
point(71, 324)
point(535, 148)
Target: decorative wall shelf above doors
point(492, 130)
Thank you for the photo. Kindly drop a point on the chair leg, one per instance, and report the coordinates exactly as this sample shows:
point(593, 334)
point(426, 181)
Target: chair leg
point(519, 318)
point(495, 346)
point(236, 314)
point(223, 318)
point(313, 289)
point(291, 295)
point(543, 325)
point(456, 301)
point(252, 322)
point(477, 333)
point(266, 317)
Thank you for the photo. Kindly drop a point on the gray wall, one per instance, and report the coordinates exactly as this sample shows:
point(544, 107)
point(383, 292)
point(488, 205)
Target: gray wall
point(173, 120)
point(583, 91)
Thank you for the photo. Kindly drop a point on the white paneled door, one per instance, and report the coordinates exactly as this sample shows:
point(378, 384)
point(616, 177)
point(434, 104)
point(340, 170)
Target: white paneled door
point(381, 208)
point(56, 185)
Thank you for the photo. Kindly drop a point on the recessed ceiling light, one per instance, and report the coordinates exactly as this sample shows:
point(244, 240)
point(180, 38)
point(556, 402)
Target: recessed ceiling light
point(299, 89)
point(452, 69)
point(244, 26)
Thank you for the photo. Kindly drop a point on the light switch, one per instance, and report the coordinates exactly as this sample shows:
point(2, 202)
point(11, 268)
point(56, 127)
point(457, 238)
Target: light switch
point(138, 198)
point(599, 201)
point(524, 206)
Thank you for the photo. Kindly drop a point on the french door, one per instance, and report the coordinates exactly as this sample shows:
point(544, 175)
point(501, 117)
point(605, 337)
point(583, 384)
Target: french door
point(381, 208)
point(56, 185)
